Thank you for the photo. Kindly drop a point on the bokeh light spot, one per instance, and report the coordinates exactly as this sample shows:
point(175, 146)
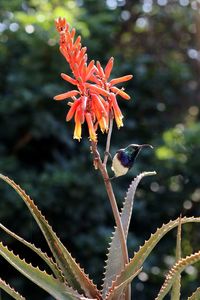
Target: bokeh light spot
point(14, 27)
point(196, 195)
point(191, 270)
point(125, 15)
point(29, 28)
point(147, 6)
point(155, 270)
point(143, 276)
point(187, 204)
point(193, 111)
point(161, 106)
point(139, 286)
point(2, 27)
point(184, 2)
point(112, 4)
point(142, 23)
point(154, 187)
point(162, 2)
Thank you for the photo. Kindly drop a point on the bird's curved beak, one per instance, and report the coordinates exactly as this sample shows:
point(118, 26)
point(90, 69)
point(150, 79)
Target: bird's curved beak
point(145, 145)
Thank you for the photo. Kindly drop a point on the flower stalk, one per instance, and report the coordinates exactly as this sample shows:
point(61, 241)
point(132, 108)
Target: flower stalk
point(102, 168)
point(107, 152)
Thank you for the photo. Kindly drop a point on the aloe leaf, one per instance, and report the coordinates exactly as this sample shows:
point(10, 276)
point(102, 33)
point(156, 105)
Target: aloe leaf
point(8, 289)
point(56, 271)
point(74, 275)
point(117, 292)
point(140, 256)
point(195, 295)
point(176, 287)
point(115, 261)
point(47, 282)
point(175, 270)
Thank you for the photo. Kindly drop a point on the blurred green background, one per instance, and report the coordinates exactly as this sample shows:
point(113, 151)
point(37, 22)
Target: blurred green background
point(156, 41)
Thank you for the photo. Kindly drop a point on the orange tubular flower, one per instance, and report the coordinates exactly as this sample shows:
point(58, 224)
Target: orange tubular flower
point(78, 128)
point(66, 95)
point(73, 109)
point(92, 132)
point(117, 112)
point(102, 83)
point(94, 95)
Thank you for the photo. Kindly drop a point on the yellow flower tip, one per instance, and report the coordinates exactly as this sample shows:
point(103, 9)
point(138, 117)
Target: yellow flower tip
point(93, 139)
point(119, 125)
point(77, 138)
point(103, 124)
point(92, 132)
point(93, 135)
point(119, 122)
point(77, 131)
point(103, 129)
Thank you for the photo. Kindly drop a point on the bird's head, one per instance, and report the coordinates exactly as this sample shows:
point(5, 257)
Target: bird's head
point(134, 149)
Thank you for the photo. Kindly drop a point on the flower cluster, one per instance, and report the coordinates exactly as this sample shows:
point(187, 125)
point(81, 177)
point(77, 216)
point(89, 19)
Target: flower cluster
point(94, 98)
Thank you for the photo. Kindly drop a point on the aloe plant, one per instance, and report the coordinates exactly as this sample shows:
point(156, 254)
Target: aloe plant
point(67, 279)
point(94, 101)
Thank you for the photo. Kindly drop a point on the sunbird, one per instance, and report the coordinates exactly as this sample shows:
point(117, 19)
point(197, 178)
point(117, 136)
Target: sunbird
point(124, 159)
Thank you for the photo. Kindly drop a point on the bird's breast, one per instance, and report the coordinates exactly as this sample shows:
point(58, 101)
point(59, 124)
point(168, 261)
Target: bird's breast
point(117, 167)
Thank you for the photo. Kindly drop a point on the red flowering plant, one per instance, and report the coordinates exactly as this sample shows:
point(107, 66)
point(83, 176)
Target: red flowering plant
point(94, 101)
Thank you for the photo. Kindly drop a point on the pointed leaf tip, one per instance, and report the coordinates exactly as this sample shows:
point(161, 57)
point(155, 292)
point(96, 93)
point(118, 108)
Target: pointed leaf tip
point(114, 263)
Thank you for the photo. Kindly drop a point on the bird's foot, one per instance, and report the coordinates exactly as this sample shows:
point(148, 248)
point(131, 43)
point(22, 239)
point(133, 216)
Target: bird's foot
point(106, 153)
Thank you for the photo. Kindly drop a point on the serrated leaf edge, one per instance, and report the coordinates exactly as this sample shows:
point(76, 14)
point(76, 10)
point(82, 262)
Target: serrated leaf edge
point(48, 260)
point(94, 292)
point(195, 295)
point(177, 269)
point(107, 281)
point(120, 288)
point(10, 290)
point(7, 254)
point(141, 254)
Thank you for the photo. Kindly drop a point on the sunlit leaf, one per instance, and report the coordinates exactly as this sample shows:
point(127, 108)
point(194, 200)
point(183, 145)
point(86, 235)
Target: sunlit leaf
point(141, 255)
point(117, 292)
point(56, 271)
point(51, 285)
point(115, 261)
point(74, 275)
point(175, 270)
